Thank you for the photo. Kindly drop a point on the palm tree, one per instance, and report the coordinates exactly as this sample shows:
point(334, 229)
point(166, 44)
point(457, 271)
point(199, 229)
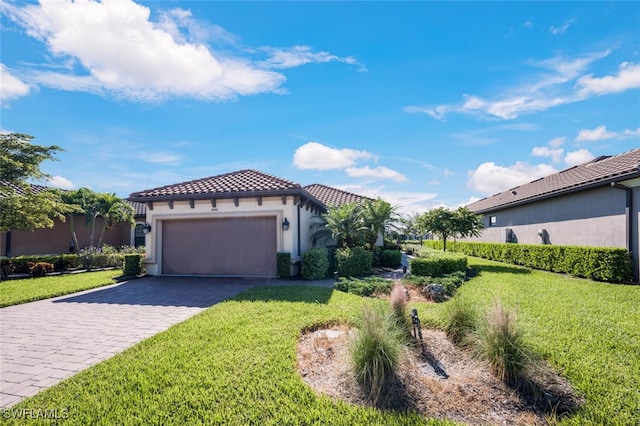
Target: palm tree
point(113, 210)
point(82, 200)
point(343, 224)
point(379, 217)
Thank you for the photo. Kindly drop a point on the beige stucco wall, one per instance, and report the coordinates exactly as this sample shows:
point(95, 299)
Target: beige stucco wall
point(287, 241)
point(57, 240)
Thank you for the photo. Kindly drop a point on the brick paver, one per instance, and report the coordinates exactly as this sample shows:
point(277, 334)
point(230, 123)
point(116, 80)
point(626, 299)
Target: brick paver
point(44, 342)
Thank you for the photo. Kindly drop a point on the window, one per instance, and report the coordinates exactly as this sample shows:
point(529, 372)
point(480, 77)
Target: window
point(138, 235)
point(493, 221)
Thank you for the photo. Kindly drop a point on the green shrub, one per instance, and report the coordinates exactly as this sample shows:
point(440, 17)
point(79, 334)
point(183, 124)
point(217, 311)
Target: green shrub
point(284, 265)
point(596, 263)
point(391, 258)
point(132, 264)
point(438, 264)
point(502, 344)
point(315, 264)
point(40, 269)
point(365, 286)
point(97, 259)
point(376, 349)
point(460, 320)
point(353, 262)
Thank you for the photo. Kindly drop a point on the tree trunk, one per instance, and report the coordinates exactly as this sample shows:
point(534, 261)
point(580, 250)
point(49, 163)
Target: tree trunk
point(104, 228)
point(93, 231)
point(74, 237)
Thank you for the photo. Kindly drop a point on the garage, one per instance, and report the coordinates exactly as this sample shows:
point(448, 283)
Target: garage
point(245, 246)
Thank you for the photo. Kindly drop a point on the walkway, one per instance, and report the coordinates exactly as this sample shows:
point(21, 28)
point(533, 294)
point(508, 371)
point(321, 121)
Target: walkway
point(44, 342)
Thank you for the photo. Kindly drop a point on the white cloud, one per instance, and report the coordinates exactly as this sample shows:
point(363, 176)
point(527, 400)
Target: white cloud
point(561, 29)
point(628, 77)
point(544, 151)
point(378, 173)
point(580, 156)
point(629, 132)
point(314, 155)
point(301, 55)
point(128, 55)
point(161, 157)
point(490, 178)
point(597, 134)
point(556, 142)
point(560, 83)
point(60, 182)
point(10, 86)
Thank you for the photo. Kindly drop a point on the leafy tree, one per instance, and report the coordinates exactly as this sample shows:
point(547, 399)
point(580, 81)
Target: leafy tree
point(22, 208)
point(20, 159)
point(467, 223)
point(378, 217)
point(451, 223)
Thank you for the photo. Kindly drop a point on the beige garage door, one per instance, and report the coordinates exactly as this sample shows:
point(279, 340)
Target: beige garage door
point(227, 246)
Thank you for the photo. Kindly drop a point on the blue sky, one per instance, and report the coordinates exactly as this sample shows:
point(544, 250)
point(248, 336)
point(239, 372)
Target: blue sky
point(423, 104)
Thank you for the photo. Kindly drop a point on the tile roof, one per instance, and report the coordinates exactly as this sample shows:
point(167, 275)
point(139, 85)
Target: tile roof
point(19, 190)
point(249, 181)
point(598, 172)
point(333, 196)
point(139, 208)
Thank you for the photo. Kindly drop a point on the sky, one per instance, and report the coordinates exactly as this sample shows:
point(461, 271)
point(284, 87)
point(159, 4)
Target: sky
point(424, 104)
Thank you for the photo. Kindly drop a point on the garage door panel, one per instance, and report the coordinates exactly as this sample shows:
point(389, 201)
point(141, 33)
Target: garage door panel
point(225, 246)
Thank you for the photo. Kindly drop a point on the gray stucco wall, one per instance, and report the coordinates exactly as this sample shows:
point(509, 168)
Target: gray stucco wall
point(589, 218)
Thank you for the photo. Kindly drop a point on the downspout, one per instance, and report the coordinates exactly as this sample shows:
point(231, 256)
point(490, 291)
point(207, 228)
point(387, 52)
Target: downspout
point(7, 244)
point(298, 208)
point(629, 219)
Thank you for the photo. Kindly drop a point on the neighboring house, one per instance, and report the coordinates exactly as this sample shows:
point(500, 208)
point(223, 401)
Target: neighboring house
point(593, 204)
point(57, 240)
point(228, 225)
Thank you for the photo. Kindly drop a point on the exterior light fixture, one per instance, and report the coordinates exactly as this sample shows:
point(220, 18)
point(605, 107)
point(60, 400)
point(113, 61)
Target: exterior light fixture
point(147, 227)
point(285, 225)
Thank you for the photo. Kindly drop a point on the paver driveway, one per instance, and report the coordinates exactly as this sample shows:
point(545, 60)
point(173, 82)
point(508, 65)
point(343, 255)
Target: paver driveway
point(46, 341)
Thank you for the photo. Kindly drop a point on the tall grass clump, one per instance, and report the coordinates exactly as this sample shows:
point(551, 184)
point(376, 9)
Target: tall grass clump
point(502, 344)
point(376, 349)
point(461, 320)
point(398, 301)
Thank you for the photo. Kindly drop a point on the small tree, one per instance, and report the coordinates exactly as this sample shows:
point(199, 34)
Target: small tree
point(451, 223)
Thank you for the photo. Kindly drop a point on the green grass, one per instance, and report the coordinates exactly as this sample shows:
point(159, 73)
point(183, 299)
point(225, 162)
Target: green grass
point(587, 331)
point(14, 292)
point(235, 362)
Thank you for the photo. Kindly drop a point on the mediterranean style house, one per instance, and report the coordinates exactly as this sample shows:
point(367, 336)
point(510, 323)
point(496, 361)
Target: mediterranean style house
point(592, 204)
point(231, 224)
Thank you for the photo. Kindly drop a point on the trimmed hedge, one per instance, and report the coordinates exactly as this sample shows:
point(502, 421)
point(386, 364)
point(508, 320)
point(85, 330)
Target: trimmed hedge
point(40, 269)
point(391, 258)
point(315, 264)
point(132, 264)
point(20, 265)
point(365, 286)
point(284, 264)
point(353, 262)
point(438, 264)
point(596, 263)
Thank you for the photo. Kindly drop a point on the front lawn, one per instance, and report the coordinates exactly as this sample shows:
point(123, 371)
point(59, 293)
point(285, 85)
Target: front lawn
point(235, 363)
point(14, 292)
